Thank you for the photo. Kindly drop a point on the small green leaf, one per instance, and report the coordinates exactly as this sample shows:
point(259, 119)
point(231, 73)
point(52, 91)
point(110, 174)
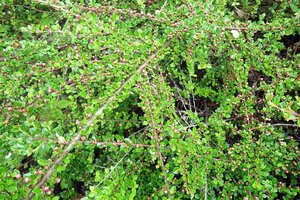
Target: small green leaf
point(63, 104)
point(269, 96)
point(11, 188)
point(42, 162)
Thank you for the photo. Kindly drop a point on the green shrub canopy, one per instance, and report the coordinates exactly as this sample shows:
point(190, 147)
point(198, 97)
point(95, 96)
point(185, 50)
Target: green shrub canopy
point(149, 99)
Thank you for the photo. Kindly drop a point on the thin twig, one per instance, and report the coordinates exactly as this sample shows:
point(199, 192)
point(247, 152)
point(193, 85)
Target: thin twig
point(163, 6)
point(205, 188)
point(278, 124)
point(55, 7)
point(116, 165)
point(184, 173)
point(157, 145)
point(122, 143)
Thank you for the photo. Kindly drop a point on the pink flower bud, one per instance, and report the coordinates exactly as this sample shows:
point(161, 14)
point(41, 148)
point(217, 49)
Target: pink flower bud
point(45, 189)
point(57, 180)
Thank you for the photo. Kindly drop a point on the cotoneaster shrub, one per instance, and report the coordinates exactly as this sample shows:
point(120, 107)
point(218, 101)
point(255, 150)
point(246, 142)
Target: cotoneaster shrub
point(201, 99)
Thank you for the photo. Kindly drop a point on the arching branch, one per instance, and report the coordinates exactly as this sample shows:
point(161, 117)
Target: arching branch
point(76, 138)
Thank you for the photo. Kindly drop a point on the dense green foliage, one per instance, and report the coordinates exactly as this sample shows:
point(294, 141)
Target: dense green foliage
point(213, 114)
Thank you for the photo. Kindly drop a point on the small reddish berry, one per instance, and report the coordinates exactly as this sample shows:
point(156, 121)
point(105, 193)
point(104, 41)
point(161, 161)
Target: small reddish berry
point(83, 138)
point(18, 176)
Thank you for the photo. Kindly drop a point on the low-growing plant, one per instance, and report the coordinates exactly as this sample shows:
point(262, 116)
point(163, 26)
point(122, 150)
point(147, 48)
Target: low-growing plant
point(149, 99)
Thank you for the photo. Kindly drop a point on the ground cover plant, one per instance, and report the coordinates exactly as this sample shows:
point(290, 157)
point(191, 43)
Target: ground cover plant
point(149, 99)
